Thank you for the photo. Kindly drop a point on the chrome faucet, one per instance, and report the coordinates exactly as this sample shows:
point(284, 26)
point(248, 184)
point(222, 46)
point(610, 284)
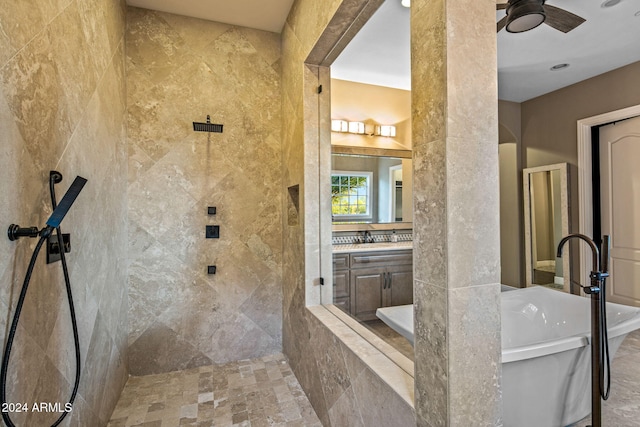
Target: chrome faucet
point(368, 238)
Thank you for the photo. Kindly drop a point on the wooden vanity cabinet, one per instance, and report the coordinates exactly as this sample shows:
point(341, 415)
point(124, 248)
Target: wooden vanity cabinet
point(375, 279)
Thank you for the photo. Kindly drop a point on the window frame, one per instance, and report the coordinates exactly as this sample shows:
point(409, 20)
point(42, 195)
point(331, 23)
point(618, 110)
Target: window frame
point(355, 217)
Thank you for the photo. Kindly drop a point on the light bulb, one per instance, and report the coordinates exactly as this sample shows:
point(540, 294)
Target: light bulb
point(406, 3)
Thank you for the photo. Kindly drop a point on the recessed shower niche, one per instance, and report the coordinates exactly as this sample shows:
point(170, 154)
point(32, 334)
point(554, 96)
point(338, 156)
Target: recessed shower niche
point(293, 205)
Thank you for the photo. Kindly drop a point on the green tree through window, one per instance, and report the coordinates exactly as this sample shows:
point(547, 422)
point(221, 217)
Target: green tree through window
point(351, 194)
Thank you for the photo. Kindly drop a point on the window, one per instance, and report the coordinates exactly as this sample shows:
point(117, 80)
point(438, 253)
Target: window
point(351, 195)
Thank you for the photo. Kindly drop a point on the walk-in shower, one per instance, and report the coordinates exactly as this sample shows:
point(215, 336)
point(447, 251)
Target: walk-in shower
point(15, 232)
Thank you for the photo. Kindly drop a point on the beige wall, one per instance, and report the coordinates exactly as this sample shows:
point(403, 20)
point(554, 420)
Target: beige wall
point(179, 70)
point(549, 124)
point(457, 369)
point(359, 102)
point(511, 208)
point(544, 129)
point(341, 387)
point(62, 106)
point(549, 132)
point(456, 228)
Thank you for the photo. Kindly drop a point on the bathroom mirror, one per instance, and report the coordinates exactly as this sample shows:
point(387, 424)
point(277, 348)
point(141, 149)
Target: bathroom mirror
point(371, 189)
point(546, 217)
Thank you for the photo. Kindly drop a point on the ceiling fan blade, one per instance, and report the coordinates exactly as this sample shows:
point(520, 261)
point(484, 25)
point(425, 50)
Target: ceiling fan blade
point(501, 6)
point(501, 23)
point(561, 19)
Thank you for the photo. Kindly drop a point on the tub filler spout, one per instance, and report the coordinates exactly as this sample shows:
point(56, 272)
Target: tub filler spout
point(599, 341)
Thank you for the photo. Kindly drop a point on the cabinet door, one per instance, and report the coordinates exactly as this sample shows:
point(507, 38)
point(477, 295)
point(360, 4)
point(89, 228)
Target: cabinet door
point(340, 284)
point(366, 292)
point(400, 288)
point(341, 289)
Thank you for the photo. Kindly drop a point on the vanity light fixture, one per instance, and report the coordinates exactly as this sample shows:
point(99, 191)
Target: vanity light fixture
point(339, 126)
point(406, 3)
point(360, 128)
point(356, 127)
point(386, 130)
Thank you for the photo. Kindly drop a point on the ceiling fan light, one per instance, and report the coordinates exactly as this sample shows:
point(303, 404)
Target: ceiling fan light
point(524, 15)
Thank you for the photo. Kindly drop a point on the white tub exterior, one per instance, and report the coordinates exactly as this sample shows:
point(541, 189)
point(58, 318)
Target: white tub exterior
point(546, 360)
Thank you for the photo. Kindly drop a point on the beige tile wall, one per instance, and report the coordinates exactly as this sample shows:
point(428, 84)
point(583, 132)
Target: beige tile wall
point(456, 213)
point(179, 70)
point(342, 388)
point(456, 252)
point(62, 106)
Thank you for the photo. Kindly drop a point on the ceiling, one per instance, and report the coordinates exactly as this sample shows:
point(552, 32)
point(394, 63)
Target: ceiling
point(267, 15)
point(379, 54)
point(609, 39)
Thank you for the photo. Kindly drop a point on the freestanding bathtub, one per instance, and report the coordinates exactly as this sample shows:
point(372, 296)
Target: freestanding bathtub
point(546, 358)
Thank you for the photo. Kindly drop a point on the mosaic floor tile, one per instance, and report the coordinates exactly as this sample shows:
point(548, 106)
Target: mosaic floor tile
point(265, 393)
point(249, 393)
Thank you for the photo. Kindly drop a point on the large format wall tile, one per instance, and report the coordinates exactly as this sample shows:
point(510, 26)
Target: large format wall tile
point(456, 218)
point(341, 387)
point(179, 70)
point(62, 106)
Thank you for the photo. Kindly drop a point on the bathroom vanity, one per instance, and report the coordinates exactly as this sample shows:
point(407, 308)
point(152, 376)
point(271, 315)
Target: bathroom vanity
point(369, 276)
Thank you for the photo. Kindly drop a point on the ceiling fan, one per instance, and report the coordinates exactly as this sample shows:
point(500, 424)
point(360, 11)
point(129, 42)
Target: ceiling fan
point(524, 15)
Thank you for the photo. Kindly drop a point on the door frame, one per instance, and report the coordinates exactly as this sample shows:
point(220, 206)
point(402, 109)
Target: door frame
point(585, 194)
point(392, 191)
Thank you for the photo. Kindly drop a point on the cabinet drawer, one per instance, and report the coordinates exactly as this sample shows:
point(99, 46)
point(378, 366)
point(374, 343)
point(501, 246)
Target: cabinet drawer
point(381, 259)
point(340, 261)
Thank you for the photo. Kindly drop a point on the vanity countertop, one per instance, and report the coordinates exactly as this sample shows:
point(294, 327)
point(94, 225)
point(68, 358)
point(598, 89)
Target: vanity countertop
point(371, 247)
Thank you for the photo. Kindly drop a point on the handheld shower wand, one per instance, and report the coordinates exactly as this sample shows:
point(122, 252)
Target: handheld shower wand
point(604, 347)
point(15, 232)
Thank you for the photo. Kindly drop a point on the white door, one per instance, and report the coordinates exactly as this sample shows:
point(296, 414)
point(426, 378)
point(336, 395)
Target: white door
point(620, 207)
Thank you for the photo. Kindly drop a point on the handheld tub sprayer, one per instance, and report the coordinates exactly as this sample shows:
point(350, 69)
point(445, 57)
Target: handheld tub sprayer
point(14, 233)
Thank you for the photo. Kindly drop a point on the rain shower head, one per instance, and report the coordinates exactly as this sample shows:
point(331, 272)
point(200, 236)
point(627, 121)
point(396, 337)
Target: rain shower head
point(65, 204)
point(207, 127)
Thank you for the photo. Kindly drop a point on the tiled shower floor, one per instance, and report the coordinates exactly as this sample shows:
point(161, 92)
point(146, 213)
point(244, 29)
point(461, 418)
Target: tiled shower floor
point(256, 393)
point(264, 392)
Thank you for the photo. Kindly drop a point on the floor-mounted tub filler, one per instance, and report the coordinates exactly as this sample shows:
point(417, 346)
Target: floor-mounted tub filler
point(546, 363)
